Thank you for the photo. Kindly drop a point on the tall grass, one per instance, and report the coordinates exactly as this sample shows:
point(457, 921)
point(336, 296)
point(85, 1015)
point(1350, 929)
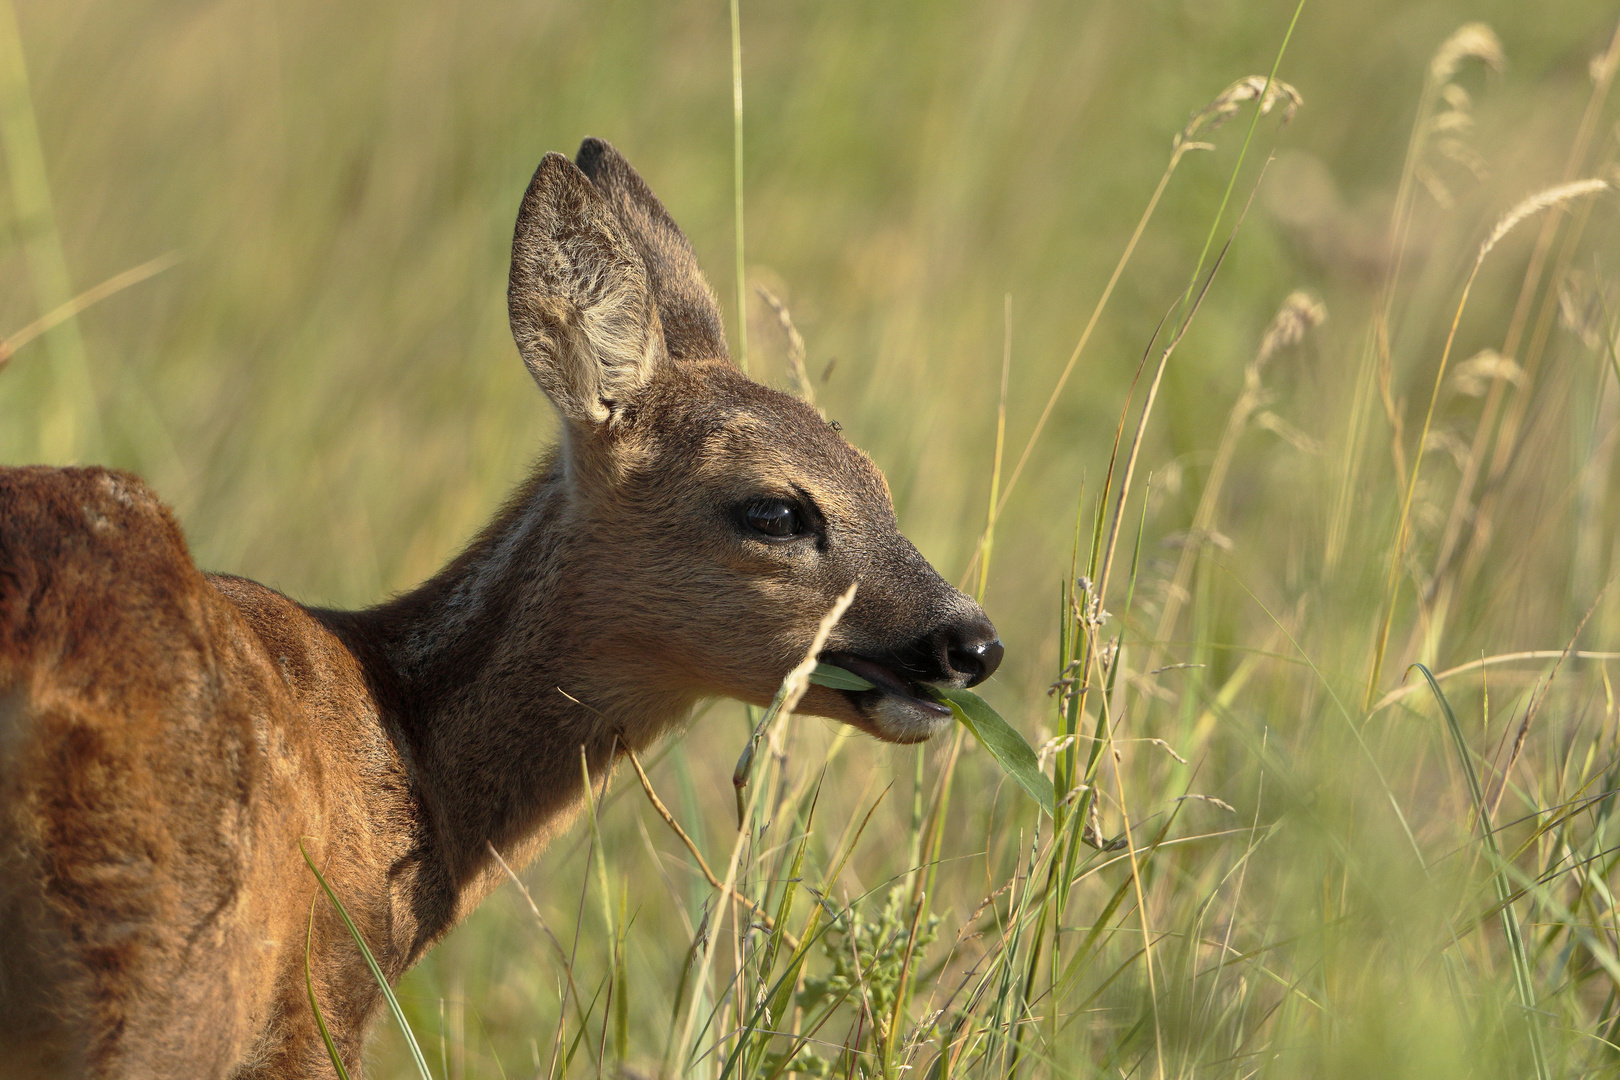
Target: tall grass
point(1277, 850)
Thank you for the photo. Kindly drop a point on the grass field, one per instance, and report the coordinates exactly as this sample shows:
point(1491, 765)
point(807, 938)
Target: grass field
point(1385, 435)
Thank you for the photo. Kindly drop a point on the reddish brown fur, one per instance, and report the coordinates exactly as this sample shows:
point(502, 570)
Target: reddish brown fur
point(168, 737)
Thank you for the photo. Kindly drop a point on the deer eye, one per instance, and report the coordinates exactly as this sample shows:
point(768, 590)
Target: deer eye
point(775, 518)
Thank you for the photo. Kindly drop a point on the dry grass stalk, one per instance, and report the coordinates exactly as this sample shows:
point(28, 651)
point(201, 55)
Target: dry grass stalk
point(793, 690)
point(1299, 314)
point(795, 343)
point(737, 183)
point(986, 544)
point(1470, 40)
point(562, 955)
point(1394, 410)
point(1223, 106)
point(1133, 855)
point(703, 864)
point(1527, 208)
point(1490, 661)
point(1115, 522)
point(63, 312)
point(798, 680)
point(1603, 72)
point(1540, 699)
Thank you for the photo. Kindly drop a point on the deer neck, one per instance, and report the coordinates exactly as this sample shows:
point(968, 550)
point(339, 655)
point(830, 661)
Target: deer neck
point(494, 676)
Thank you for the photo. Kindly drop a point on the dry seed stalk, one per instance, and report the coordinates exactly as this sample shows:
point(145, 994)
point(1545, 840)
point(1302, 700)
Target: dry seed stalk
point(1537, 701)
point(1299, 314)
point(1471, 40)
point(1604, 69)
point(795, 342)
point(1542, 200)
point(1180, 145)
point(703, 864)
point(63, 312)
point(793, 689)
point(1535, 204)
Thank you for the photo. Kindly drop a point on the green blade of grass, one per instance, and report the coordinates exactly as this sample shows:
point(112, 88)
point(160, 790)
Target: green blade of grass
point(371, 962)
point(838, 679)
point(584, 1024)
point(1504, 890)
point(813, 931)
point(1011, 751)
point(315, 1006)
point(777, 1001)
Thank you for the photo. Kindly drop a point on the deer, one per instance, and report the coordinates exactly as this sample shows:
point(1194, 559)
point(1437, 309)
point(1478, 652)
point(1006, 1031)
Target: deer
point(169, 737)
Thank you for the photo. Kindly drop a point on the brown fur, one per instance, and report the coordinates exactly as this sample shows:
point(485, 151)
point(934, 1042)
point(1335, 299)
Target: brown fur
point(168, 737)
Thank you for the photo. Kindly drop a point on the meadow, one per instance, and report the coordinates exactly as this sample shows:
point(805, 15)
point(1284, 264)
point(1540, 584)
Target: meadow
point(1233, 421)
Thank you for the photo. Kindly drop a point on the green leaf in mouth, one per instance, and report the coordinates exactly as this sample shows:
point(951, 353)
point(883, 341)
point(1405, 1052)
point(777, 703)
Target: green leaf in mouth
point(1006, 745)
point(838, 678)
point(1011, 751)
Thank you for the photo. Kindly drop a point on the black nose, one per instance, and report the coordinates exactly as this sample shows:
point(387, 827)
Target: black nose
point(972, 650)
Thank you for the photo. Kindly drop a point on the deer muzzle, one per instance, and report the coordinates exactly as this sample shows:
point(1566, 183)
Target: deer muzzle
point(899, 707)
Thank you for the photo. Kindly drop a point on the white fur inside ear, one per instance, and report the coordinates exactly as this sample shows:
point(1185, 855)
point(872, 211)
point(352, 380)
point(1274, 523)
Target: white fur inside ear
point(622, 350)
point(581, 305)
point(591, 341)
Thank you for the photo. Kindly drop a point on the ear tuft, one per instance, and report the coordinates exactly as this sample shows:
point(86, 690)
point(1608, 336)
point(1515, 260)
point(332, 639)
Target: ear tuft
point(579, 298)
point(687, 309)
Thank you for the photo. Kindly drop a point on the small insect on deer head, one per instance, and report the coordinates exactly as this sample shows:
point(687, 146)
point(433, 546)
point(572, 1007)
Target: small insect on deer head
point(727, 517)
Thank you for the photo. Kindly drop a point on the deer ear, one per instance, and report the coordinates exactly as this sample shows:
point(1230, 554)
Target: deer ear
point(580, 302)
point(686, 305)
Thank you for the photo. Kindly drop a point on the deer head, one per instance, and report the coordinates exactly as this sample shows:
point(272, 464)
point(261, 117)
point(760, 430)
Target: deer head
point(727, 516)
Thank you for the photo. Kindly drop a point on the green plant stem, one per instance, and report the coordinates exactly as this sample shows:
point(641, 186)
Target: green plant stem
point(737, 181)
point(371, 964)
point(1522, 979)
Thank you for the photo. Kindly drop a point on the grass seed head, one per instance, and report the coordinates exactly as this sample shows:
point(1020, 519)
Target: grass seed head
point(1474, 376)
point(1535, 204)
point(1471, 41)
point(1237, 95)
point(1299, 315)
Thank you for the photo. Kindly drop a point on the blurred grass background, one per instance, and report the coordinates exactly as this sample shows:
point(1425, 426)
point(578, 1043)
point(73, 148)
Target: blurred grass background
point(325, 389)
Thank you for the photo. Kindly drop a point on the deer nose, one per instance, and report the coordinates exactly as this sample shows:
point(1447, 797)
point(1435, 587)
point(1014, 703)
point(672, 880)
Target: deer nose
point(973, 650)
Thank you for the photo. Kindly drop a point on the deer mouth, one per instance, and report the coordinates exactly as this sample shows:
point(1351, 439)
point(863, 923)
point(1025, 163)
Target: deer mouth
point(899, 709)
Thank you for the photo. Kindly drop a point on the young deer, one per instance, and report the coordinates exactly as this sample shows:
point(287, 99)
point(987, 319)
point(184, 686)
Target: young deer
point(167, 737)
